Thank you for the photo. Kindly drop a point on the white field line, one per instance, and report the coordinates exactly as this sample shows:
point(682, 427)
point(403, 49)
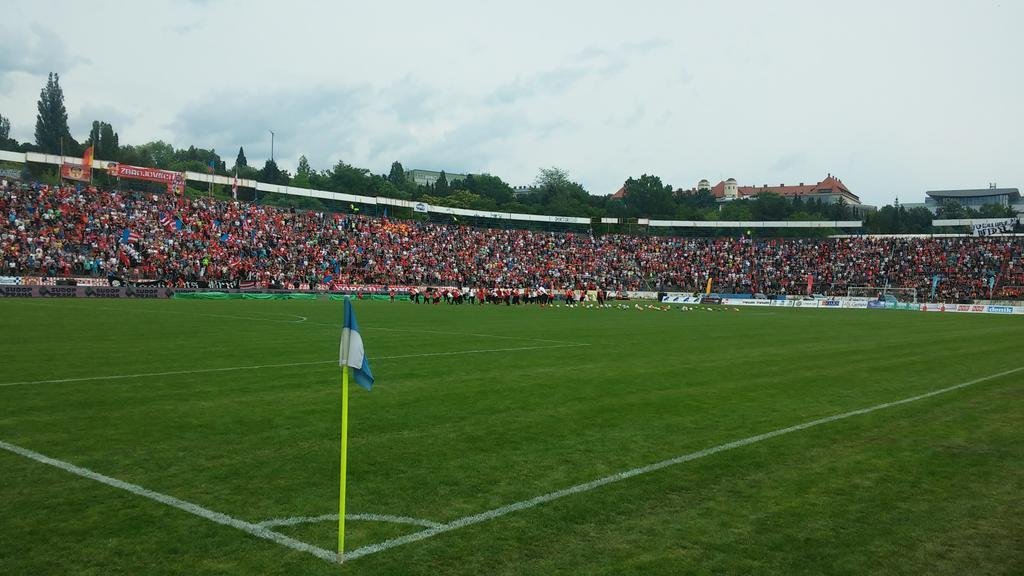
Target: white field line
point(290, 364)
point(587, 486)
point(292, 521)
point(267, 534)
point(217, 517)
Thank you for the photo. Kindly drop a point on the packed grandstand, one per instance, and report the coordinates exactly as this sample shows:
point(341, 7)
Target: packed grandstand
point(65, 232)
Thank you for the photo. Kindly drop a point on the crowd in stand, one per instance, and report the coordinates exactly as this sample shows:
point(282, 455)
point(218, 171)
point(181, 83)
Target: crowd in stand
point(50, 231)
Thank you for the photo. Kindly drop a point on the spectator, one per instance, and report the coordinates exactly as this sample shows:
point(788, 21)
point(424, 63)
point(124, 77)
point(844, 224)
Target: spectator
point(49, 231)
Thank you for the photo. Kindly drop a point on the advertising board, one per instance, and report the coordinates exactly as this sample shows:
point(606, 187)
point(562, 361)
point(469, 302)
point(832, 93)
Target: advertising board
point(84, 292)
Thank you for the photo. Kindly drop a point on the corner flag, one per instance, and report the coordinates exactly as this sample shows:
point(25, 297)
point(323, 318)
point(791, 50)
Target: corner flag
point(352, 355)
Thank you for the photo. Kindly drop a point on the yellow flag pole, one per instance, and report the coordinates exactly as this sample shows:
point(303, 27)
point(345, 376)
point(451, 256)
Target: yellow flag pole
point(344, 460)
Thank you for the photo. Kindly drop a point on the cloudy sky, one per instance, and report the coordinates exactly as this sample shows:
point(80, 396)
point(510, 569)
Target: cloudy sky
point(893, 97)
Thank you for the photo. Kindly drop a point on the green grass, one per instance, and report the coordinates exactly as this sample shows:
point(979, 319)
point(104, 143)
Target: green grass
point(930, 487)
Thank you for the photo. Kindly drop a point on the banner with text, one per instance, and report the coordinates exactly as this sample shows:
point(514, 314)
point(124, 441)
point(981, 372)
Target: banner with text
point(175, 181)
point(994, 227)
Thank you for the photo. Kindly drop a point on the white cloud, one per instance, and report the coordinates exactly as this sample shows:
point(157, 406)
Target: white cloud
point(35, 50)
point(764, 92)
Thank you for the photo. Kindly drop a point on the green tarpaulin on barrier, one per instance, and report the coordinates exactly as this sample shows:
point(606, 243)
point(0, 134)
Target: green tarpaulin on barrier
point(240, 296)
point(299, 296)
point(380, 297)
point(201, 296)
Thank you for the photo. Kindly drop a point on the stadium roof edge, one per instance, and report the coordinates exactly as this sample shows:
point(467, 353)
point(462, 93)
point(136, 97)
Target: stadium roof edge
point(979, 192)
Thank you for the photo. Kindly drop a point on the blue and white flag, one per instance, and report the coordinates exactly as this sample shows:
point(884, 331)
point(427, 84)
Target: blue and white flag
point(352, 352)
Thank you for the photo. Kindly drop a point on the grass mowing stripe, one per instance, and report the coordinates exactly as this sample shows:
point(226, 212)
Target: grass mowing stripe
point(304, 320)
point(219, 518)
point(587, 486)
point(301, 319)
point(171, 373)
point(456, 334)
point(261, 366)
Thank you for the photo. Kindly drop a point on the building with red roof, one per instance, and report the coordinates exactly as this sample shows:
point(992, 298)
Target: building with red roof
point(831, 190)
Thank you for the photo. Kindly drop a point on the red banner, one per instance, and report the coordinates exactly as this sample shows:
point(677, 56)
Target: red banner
point(74, 172)
point(175, 181)
point(810, 284)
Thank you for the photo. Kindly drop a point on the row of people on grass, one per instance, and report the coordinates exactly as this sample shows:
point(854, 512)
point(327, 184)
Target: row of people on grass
point(507, 296)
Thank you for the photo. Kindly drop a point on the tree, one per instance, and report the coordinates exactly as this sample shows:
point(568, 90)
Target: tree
point(441, 185)
point(103, 139)
point(461, 199)
point(349, 179)
point(5, 129)
point(303, 174)
point(554, 193)
point(996, 211)
point(490, 187)
point(52, 119)
point(94, 136)
point(839, 211)
point(240, 161)
point(883, 221)
point(157, 153)
point(385, 188)
point(648, 197)
point(770, 206)
point(553, 176)
point(109, 142)
point(397, 174)
point(703, 199)
point(270, 173)
point(952, 210)
point(736, 210)
point(917, 220)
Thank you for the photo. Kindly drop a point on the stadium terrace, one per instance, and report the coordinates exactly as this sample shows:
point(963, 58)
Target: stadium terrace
point(61, 232)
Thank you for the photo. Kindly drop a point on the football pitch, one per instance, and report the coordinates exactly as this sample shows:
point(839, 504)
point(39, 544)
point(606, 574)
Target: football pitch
point(202, 437)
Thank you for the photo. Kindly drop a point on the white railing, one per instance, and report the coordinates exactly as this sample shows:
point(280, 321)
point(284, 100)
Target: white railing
point(23, 157)
point(967, 221)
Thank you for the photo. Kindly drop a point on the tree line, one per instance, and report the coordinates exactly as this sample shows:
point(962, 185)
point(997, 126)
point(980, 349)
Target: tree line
point(553, 191)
